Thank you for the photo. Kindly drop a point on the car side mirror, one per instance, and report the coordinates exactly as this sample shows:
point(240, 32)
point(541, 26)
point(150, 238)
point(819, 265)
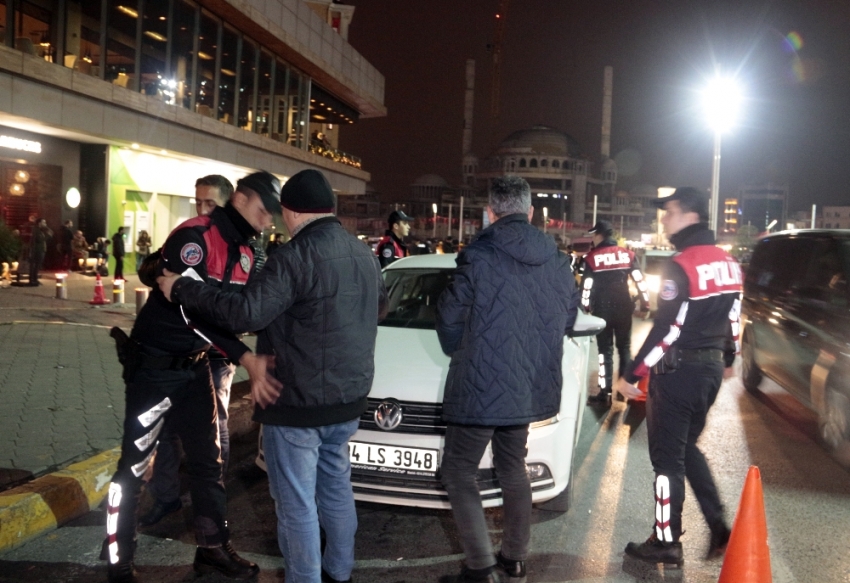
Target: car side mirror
point(586, 325)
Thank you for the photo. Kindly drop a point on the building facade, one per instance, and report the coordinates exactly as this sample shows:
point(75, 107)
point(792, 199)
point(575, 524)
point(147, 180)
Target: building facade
point(128, 102)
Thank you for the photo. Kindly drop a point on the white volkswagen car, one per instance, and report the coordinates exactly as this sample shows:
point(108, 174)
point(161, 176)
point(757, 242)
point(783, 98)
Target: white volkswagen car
point(396, 453)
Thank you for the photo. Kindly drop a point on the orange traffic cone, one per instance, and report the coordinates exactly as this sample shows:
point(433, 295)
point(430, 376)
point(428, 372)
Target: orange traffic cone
point(747, 555)
point(98, 298)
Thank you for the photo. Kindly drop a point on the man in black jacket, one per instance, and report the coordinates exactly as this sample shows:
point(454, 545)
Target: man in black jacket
point(605, 293)
point(118, 253)
point(392, 245)
point(502, 320)
point(690, 350)
point(316, 305)
point(167, 371)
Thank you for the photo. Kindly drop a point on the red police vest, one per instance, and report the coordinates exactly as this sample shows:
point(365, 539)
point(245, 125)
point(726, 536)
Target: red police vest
point(710, 270)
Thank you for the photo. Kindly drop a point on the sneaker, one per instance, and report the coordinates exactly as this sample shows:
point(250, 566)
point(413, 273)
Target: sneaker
point(224, 560)
point(718, 541)
point(515, 570)
point(600, 399)
point(328, 579)
point(159, 511)
point(656, 551)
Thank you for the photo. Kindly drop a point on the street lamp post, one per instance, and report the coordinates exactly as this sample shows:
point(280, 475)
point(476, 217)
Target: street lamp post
point(545, 218)
point(722, 100)
point(434, 208)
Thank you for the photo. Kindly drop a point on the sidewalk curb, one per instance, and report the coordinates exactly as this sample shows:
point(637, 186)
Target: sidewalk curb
point(52, 500)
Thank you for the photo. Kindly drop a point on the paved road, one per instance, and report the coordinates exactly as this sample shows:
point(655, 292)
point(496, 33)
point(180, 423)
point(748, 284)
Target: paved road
point(806, 500)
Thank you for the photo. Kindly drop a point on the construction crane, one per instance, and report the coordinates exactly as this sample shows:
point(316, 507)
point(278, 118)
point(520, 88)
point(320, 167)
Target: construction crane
point(496, 48)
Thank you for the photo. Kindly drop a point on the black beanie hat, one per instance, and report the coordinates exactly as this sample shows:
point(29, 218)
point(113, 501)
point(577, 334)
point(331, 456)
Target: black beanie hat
point(266, 185)
point(308, 192)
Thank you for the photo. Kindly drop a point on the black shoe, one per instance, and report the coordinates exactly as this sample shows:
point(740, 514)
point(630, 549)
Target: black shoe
point(328, 579)
point(122, 573)
point(656, 551)
point(718, 541)
point(600, 399)
point(515, 570)
point(467, 577)
point(224, 560)
point(159, 511)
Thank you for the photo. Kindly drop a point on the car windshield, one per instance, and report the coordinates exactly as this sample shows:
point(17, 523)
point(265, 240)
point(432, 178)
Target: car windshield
point(413, 295)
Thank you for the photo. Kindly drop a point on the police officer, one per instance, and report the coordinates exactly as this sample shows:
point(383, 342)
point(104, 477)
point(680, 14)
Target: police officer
point(605, 293)
point(167, 372)
point(690, 350)
point(391, 246)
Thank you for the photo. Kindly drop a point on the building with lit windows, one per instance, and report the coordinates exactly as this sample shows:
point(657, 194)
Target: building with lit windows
point(731, 214)
point(128, 102)
point(761, 204)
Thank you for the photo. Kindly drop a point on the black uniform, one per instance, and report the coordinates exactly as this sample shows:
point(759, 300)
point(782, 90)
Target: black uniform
point(390, 248)
point(167, 374)
point(694, 337)
point(605, 293)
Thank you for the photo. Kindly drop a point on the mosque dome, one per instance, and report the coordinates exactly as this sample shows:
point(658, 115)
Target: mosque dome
point(540, 140)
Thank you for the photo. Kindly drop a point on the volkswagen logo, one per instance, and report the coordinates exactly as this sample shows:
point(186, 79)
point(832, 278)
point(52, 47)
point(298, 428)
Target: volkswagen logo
point(388, 414)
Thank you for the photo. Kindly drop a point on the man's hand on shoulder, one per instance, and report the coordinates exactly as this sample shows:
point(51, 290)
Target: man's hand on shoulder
point(166, 282)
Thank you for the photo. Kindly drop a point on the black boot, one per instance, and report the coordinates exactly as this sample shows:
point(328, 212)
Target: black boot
point(326, 578)
point(158, 511)
point(600, 399)
point(224, 560)
point(719, 539)
point(121, 573)
point(656, 551)
point(515, 570)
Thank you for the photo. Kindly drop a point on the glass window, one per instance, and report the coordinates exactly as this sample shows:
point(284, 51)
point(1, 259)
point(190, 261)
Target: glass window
point(296, 115)
point(82, 37)
point(230, 49)
point(265, 85)
point(247, 85)
point(34, 32)
point(183, 58)
point(205, 94)
point(120, 59)
point(280, 100)
point(413, 295)
point(153, 80)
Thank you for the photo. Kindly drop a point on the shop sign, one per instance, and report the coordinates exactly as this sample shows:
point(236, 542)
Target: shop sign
point(19, 144)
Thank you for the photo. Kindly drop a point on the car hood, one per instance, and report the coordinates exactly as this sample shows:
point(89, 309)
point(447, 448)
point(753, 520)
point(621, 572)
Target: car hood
point(409, 365)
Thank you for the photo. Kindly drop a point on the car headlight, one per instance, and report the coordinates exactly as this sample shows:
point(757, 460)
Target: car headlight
point(545, 422)
point(537, 472)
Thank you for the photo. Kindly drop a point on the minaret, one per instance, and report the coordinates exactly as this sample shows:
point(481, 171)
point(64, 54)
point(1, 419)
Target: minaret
point(608, 89)
point(470, 162)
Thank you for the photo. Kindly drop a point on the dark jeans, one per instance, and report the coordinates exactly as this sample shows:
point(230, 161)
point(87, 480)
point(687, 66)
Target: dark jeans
point(119, 267)
point(164, 486)
point(618, 320)
point(676, 409)
point(465, 444)
point(152, 397)
point(36, 259)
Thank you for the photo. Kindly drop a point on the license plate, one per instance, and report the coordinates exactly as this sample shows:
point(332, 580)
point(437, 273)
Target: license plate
point(393, 459)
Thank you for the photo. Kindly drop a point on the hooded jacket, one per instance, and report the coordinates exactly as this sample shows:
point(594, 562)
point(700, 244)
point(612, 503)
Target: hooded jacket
point(502, 320)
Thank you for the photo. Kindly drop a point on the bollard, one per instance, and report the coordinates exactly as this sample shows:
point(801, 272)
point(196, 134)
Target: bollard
point(117, 291)
point(141, 298)
point(61, 287)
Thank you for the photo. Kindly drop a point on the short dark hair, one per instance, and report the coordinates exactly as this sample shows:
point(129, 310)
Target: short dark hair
point(509, 195)
point(225, 188)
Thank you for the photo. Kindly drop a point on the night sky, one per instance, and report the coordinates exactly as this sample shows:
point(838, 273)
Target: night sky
point(792, 57)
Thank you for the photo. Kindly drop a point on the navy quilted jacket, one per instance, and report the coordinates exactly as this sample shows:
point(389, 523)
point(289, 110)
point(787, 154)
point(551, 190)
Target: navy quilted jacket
point(503, 320)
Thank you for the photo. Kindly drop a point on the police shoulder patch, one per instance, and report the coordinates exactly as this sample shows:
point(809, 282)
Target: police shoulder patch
point(387, 252)
point(245, 262)
point(669, 290)
point(191, 254)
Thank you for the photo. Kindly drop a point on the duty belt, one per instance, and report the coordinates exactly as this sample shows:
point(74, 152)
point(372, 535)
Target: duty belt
point(700, 354)
point(170, 362)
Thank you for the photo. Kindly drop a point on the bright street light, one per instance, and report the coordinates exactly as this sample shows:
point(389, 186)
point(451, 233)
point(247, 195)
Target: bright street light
point(434, 208)
point(722, 102)
point(545, 218)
